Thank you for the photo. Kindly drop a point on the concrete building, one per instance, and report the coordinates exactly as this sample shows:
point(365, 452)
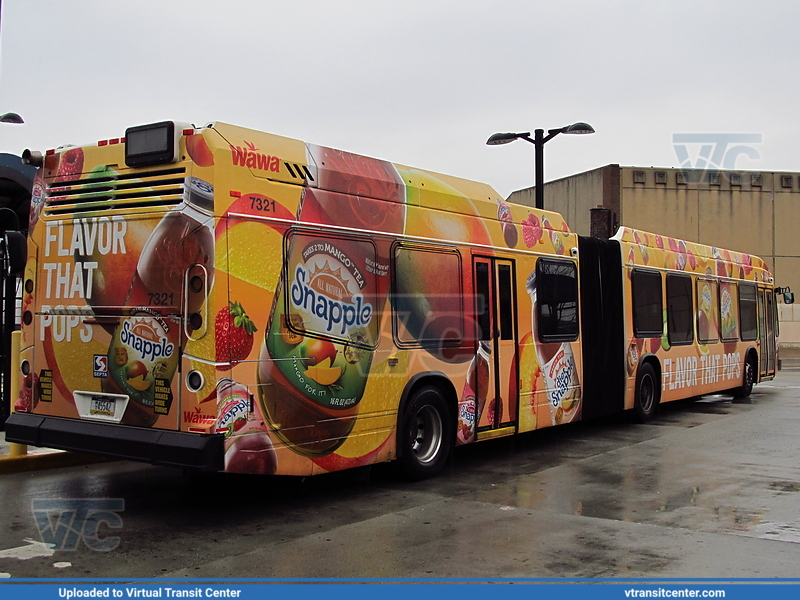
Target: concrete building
point(757, 212)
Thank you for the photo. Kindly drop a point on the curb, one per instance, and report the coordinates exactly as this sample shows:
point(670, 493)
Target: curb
point(49, 460)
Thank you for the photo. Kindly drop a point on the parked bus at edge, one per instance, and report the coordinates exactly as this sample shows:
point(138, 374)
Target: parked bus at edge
point(225, 299)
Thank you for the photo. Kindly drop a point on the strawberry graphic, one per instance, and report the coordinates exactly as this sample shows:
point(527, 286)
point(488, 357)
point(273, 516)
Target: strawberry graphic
point(28, 397)
point(233, 333)
point(70, 165)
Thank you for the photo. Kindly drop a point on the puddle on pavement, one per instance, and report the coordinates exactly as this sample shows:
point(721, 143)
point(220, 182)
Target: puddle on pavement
point(782, 532)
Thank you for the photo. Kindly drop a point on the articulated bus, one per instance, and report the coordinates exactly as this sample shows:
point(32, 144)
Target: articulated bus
point(225, 299)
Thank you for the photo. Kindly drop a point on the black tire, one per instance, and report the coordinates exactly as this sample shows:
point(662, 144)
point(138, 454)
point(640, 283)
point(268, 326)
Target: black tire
point(426, 434)
point(647, 393)
point(748, 378)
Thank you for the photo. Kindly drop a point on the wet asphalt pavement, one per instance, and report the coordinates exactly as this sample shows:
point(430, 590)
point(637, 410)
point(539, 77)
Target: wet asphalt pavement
point(708, 489)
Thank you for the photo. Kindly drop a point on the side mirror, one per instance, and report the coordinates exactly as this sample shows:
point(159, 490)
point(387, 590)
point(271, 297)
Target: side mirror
point(788, 298)
point(15, 252)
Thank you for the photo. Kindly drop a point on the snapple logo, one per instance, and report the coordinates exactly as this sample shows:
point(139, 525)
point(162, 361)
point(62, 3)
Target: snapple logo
point(239, 409)
point(313, 294)
point(561, 373)
point(150, 349)
point(248, 157)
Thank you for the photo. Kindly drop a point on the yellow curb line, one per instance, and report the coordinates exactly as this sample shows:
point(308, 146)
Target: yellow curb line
point(49, 460)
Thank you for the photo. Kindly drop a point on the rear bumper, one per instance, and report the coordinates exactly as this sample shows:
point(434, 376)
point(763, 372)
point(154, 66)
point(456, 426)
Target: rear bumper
point(154, 446)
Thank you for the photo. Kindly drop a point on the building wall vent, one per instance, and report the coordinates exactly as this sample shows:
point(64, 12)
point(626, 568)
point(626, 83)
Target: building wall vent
point(713, 178)
point(756, 180)
point(786, 181)
point(735, 178)
point(639, 177)
point(680, 178)
point(661, 177)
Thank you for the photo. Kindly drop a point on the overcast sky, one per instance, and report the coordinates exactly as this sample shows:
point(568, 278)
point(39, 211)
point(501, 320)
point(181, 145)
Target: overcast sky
point(419, 82)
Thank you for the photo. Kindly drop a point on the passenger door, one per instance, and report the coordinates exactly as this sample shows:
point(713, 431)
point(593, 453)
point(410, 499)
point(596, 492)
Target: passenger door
point(495, 298)
point(766, 332)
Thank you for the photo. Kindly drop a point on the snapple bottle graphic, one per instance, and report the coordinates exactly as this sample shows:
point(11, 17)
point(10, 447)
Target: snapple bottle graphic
point(559, 370)
point(182, 238)
point(473, 398)
point(325, 319)
point(142, 359)
point(143, 355)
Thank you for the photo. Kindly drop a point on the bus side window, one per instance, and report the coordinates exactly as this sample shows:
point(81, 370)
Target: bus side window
point(428, 296)
point(728, 311)
point(557, 299)
point(648, 304)
point(680, 311)
point(747, 312)
point(707, 311)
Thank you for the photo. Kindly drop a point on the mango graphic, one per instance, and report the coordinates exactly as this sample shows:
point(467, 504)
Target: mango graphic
point(323, 373)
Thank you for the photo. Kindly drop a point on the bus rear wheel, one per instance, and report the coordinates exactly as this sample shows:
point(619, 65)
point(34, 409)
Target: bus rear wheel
point(646, 400)
point(426, 434)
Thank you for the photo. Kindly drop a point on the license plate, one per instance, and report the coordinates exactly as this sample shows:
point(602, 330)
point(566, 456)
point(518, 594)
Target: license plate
point(101, 406)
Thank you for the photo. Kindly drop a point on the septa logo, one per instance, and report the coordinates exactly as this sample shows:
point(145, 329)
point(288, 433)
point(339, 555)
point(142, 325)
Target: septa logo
point(100, 365)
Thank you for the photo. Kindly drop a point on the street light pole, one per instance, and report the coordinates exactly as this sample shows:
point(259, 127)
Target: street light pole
point(538, 141)
point(538, 176)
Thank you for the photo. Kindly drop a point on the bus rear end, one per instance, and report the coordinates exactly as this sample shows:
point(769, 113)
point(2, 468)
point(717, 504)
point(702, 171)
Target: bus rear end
point(121, 249)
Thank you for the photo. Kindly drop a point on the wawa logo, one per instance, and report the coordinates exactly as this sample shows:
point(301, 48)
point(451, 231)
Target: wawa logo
point(197, 417)
point(251, 158)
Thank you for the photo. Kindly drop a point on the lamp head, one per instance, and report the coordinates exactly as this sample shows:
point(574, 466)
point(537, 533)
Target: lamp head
point(11, 117)
point(578, 129)
point(505, 138)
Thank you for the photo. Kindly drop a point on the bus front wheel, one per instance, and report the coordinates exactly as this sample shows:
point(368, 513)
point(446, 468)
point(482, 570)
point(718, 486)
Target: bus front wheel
point(426, 434)
point(646, 400)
